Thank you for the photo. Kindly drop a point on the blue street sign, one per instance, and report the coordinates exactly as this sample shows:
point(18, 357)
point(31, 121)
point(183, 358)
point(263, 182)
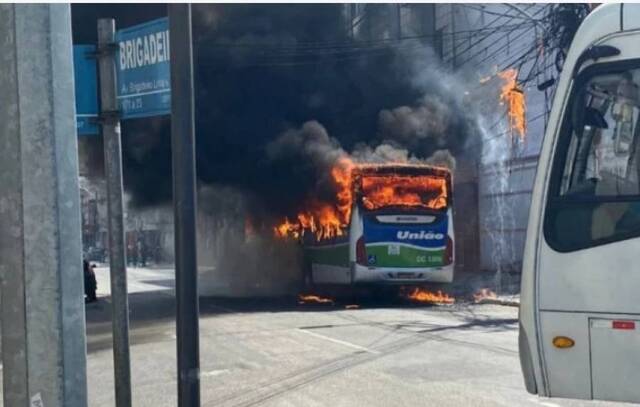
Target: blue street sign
point(86, 85)
point(142, 60)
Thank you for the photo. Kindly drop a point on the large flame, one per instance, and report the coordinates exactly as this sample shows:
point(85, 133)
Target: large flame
point(377, 185)
point(513, 96)
point(402, 190)
point(325, 220)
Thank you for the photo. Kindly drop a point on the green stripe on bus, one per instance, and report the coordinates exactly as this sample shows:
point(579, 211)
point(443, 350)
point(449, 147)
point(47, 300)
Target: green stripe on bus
point(336, 255)
point(404, 256)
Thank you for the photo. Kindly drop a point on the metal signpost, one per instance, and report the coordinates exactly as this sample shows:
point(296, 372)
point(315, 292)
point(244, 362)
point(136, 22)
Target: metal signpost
point(184, 204)
point(110, 123)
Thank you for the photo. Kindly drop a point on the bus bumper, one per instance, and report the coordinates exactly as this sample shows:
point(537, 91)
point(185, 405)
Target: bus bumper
point(390, 275)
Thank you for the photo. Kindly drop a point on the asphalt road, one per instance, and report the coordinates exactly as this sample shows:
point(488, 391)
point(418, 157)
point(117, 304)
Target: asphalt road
point(280, 353)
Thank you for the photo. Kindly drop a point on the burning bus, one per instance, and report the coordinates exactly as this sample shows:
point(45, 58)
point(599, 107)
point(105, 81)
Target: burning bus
point(392, 224)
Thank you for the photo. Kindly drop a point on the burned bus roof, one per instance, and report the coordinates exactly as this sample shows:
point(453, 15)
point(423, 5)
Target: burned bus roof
point(401, 169)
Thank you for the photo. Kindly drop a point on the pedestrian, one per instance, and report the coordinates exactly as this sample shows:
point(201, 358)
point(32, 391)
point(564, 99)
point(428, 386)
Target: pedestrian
point(132, 257)
point(90, 282)
point(142, 260)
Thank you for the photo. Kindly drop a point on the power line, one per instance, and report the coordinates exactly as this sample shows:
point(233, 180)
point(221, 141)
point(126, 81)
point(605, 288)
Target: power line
point(501, 69)
point(288, 63)
point(270, 58)
point(495, 30)
point(290, 60)
point(496, 52)
point(495, 13)
point(497, 42)
point(349, 44)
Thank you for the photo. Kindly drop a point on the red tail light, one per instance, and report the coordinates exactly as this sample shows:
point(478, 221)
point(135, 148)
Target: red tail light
point(361, 252)
point(448, 252)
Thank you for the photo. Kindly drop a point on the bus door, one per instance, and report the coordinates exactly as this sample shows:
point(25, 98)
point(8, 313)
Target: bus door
point(584, 242)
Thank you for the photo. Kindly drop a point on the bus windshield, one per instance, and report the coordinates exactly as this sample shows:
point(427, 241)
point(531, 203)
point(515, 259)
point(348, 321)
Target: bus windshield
point(597, 195)
point(603, 158)
point(415, 191)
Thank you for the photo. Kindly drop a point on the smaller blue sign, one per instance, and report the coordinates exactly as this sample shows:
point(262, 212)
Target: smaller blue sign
point(86, 85)
point(142, 60)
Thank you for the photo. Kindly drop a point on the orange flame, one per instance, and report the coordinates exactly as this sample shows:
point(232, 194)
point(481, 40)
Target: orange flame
point(396, 190)
point(425, 296)
point(376, 189)
point(484, 294)
point(513, 95)
point(313, 299)
point(322, 219)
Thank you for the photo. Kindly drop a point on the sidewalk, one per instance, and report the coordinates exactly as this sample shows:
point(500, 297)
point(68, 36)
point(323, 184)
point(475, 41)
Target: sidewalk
point(466, 284)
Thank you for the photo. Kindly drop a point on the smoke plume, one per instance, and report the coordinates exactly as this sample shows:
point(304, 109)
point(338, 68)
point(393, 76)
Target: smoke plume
point(274, 113)
point(282, 93)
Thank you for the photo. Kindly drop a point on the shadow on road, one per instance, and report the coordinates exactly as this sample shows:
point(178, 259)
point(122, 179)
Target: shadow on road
point(152, 313)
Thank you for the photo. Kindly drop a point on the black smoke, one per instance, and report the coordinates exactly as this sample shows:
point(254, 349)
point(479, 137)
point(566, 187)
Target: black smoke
point(282, 91)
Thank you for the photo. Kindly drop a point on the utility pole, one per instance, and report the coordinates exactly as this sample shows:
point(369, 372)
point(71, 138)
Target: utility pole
point(43, 318)
point(184, 203)
point(111, 136)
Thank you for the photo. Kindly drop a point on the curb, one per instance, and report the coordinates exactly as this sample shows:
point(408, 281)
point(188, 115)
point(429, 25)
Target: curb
point(498, 301)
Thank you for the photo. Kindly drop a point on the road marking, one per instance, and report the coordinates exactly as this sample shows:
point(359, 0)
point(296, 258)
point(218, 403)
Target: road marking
point(544, 403)
point(338, 341)
point(213, 372)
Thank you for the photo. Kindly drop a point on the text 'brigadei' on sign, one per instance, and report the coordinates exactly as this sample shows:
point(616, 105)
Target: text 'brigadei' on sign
point(142, 51)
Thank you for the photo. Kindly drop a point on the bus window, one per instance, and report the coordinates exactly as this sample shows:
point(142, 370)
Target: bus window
point(415, 191)
point(597, 198)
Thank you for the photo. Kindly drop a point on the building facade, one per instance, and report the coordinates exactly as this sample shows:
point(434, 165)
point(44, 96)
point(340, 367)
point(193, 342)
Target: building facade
point(483, 43)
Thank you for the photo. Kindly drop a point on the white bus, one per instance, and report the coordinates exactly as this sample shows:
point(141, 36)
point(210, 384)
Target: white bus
point(580, 302)
point(400, 230)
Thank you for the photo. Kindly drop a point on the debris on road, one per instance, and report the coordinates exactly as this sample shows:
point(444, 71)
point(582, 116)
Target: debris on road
point(484, 294)
point(314, 299)
point(487, 296)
